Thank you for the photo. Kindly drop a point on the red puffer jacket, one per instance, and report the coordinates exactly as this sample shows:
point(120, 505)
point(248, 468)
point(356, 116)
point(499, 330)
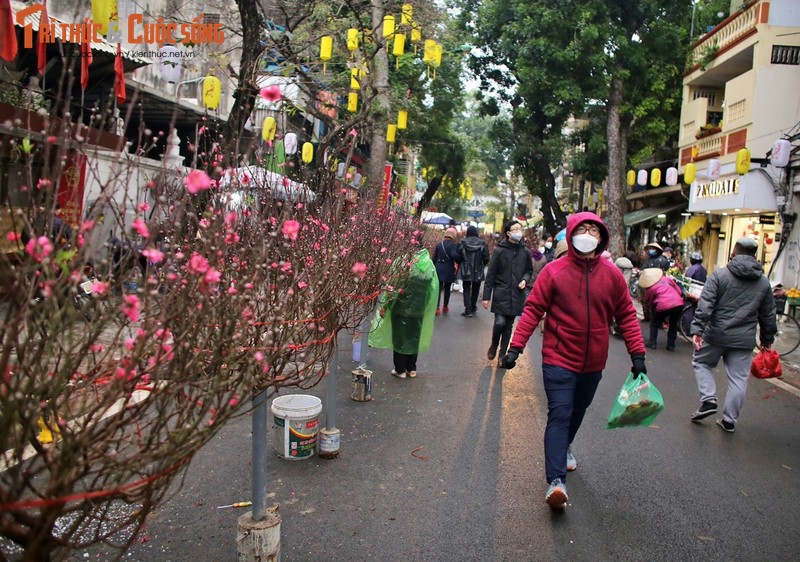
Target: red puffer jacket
point(581, 297)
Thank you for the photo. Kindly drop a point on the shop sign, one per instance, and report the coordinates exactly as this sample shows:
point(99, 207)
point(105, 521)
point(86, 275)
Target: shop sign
point(718, 188)
point(766, 219)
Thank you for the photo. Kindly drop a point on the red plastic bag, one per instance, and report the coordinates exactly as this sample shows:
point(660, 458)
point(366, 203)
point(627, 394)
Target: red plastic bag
point(766, 365)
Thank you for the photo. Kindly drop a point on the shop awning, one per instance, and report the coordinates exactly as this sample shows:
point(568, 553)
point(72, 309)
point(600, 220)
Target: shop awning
point(642, 215)
point(691, 227)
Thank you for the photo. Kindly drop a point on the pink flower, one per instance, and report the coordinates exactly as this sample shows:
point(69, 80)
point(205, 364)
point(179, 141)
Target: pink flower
point(96, 348)
point(286, 266)
point(232, 290)
point(99, 288)
point(258, 356)
point(140, 227)
point(232, 238)
point(197, 264)
point(201, 130)
point(230, 218)
point(302, 285)
point(359, 269)
point(129, 343)
point(233, 402)
point(51, 139)
point(130, 307)
point(271, 93)
point(86, 226)
point(352, 133)
point(39, 248)
point(286, 182)
point(290, 229)
point(155, 256)
point(143, 207)
point(197, 181)
point(212, 276)
point(12, 236)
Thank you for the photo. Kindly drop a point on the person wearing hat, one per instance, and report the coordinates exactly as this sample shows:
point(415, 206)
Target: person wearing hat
point(561, 249)
point(474, 257)
point(696, 270)
point(446, 256)
point(736, 299)
point(507, 276)
point(582, 294)
point(665, 300)
point(655, 257)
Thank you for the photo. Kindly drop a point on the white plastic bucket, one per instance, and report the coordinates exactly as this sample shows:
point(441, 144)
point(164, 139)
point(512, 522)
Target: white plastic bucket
point(295, 425)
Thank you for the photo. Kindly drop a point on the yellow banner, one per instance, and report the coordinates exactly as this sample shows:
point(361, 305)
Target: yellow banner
point(498, 221)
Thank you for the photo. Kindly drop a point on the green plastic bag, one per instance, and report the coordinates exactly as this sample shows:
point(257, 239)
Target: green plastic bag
point(637, 404)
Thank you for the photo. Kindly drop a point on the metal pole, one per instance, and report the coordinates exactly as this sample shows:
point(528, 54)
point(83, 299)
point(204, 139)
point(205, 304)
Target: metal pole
point(691, 28)
point(259, 466)
point(366, 326)
point(330, 413)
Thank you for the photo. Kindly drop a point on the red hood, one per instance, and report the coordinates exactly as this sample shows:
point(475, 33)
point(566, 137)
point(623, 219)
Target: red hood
point(578, 218)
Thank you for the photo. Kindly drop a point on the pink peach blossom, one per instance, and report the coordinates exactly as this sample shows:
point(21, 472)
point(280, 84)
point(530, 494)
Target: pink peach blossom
point(140, 227)
point(290, 229)
point(130, 307)
point(197, 264)
point(197, 181)
point(359, 269)
point(39, 248)
point(155, 256)
point(212, 276)
point(271, 93)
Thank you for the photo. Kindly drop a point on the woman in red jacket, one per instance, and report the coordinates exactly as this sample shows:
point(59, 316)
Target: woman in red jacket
point(582, 294)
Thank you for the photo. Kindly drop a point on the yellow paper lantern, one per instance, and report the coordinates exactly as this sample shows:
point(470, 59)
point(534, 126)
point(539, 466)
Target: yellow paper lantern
point(689, 173)
point(103, 13)
point(406, 14)
point(402, 119)
point(269, 129)
point(655, 177)
point(352, 102)
point(352, 40)
point(354, 75)
point(631, 177)
point(326, 48)
point(428, 54)
point(416, 33)
point(437, 56)
point(743, 161)
point(212, 92)
point(399, 48)
point(388, 26)
point(308, 152)
point(600, 194)
point(391, 132)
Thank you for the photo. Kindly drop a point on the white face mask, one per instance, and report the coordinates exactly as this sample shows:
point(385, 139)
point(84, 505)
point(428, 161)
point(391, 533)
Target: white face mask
point(548, 245)
point(515, 236)
point(584, 243)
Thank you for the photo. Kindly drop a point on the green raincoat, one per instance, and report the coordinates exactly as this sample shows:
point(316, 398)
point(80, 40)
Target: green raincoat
point(407, 326)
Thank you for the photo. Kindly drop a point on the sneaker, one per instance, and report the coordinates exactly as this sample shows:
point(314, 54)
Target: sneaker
point(706, 409)
point(492, 352)
point(412, 374)
point(572, 464)
point(650, 345)
point(726, 425)
point(438, 312)
point(446, 309)
point(398, 375)
point(556, 496)
point(465, 313)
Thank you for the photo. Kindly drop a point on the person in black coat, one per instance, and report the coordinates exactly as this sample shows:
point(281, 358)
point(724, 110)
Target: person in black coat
point(445, 258)
point(474, 257)
point(508, 275)
point(655, 257)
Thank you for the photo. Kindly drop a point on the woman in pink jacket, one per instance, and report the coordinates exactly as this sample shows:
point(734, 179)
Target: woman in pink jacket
point(665, 300)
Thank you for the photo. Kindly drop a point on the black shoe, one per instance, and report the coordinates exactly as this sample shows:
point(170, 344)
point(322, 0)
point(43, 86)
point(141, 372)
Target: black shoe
point(492, 353)
point(706, 409)
point(470, 314)
point(465, 313)
point(726, 425)
point(650, 345)
point(670, 348)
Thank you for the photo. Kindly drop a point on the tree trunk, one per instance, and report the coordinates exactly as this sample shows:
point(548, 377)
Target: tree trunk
point(379, 77)
point(617, 154)
point(426, 198)
point(550, 206)
point(246, 88)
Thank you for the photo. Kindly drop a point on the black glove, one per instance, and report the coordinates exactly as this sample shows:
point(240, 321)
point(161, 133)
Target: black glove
point(509, 360)
point(638, 367)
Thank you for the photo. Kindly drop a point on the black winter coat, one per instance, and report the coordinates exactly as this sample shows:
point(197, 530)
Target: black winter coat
point(510, 264)
point(445, 258)
point(474, 257)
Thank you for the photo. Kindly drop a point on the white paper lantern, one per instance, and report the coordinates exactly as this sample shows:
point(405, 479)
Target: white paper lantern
point(356, 180)
point(713, 169)
point(340, 170)
point(672, 176)
point(290, 143)
point(641, 177)
point(169, 64)
point(781, 151)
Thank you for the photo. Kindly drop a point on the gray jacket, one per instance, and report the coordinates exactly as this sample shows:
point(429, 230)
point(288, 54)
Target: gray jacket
point(735, 299)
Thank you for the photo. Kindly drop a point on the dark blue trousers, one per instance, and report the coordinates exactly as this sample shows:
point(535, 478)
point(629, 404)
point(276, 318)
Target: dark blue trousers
point(569, 394)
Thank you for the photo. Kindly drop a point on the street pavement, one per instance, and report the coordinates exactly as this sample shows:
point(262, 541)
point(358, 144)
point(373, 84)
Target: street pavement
point(449, 467)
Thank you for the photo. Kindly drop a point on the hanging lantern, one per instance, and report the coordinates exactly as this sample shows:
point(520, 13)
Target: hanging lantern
point(641, 177)
point(325, 51)
point(590, 200)
point(743, 161)
point(308, 152)
point(391, 132)
point(290, 143)
point(672, 176)
point(212, 92)
point(428, 51)
point(781, 151)
point(352, 102)
point(655, 177)
point(399, 48)
point(170, 66)
point(388, 26)
point(600, 194)
point(352, 40)
point(689, 173)
point(269, 129)
point(402, 119)
point(712, 172)
point(416, 35)
point(354, 85)
point(631, 178)
point(104, 12)
point(406, 14)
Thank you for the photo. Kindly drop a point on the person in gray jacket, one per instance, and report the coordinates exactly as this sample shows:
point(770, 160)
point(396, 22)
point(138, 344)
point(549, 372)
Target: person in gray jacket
point(474, 257)
point(734, 300)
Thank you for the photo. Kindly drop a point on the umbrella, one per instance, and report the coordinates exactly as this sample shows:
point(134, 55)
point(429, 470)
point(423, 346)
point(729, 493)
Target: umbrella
point(438, 218)
point(692, 226)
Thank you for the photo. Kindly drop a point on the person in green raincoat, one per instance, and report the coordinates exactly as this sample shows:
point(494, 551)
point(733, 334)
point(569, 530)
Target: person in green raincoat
point(404, 321)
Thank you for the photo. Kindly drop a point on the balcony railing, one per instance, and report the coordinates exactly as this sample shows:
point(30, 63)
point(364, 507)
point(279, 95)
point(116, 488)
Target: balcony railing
point(728, 32)
point(709, 146)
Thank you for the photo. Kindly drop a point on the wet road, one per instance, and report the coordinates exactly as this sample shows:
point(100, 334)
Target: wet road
point(474, 487)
